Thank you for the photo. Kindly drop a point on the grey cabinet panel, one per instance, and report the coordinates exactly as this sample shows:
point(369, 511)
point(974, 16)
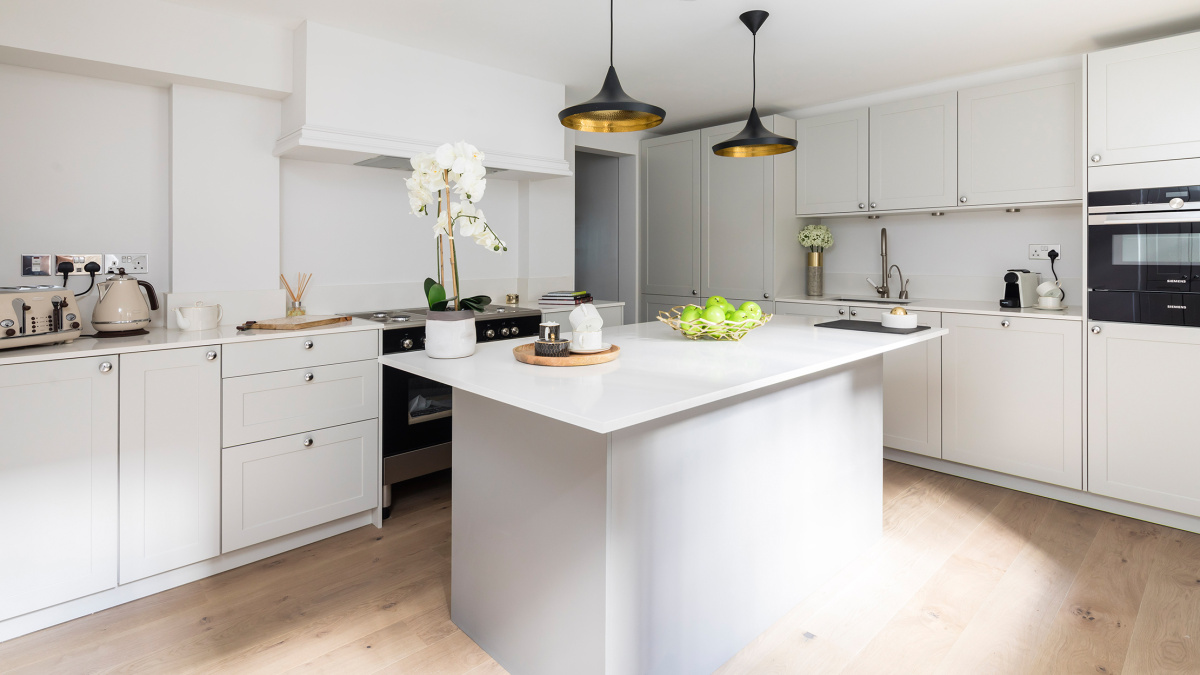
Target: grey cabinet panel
point(1021, 141)
point(1142, 102)
point(653, 304)
point(831, 163)
point(914, 153)
point(671, 214)
point(737, 224)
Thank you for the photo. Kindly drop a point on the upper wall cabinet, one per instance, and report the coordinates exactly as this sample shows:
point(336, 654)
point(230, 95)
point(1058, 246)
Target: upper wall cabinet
point(736, 224)
point(831, 163)
point(1142, 102)
point(671, 214)
point(1021, 141)
point(914, 153)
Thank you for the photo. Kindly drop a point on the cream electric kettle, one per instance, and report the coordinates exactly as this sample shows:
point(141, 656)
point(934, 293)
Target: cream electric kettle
point(120, 306)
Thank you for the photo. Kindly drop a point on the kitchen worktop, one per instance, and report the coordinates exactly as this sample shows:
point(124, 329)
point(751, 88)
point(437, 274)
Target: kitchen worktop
point(658, 372)
point(158, 337)
point(986, 307)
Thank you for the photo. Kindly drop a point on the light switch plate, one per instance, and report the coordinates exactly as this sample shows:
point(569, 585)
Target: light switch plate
point(37, 264)
point(1042, 251)
point(134, 263)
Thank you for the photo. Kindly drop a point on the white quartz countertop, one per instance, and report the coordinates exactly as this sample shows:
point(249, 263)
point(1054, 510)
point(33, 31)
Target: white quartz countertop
point(659, 372)
point(987, 307)
point(162, 338)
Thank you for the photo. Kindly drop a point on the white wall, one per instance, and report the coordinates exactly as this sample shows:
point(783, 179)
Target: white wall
point(147, 41)
point(83, 169)
point(959, 256)
point(224, 191)
point(351, 227)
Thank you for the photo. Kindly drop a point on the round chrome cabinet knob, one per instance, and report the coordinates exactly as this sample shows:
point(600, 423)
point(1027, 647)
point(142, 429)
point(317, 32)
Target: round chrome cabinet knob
point(407, 344)
point(105, 367)
point(489, 334)
point(874, 205)
point(308, 377)
point(694, 293)
point(308, 442)
point(1095, 330)
point(862, 205)
point(854, 312)
point(1095, 158)
point(308, 344)
point(842, 312)
point(963, 199)
point(766, 296)
point(1005, 324)
point(1177, 203)
point(211, 356)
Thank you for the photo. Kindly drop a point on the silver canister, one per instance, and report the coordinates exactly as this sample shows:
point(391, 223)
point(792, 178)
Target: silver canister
point(548, 331)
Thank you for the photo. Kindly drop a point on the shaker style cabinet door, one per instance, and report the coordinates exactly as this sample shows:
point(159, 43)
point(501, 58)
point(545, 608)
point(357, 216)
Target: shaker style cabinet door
point(58, 482)
point(170, 459)
point(737, 226)
point(912, 389)
point(1021, 141)
point(671, 214)
point(831, 163)
point(1012, 398)
point(914, 153)
point(1142, 102)
point(1142, 443)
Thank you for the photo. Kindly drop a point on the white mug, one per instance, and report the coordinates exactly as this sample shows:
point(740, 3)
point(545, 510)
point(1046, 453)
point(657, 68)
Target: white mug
point(1050, 289)
point(1049, 302)
point(589, 339)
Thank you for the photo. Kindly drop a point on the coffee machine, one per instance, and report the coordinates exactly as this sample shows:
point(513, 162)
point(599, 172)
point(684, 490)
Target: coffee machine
point(1020, 289)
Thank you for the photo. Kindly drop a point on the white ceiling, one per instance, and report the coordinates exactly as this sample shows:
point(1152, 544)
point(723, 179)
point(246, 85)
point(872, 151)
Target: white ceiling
point(692, 57)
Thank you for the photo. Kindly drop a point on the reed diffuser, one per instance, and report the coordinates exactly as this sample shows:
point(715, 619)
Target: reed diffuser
point(296, 307)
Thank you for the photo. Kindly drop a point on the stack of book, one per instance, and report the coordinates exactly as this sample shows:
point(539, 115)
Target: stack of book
point(569, 298)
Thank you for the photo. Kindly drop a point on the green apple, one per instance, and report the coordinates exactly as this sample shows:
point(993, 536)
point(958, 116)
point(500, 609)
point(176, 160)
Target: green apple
point(716, 301)
point(690, 313)
point(738, 317)
point(751, 309)
point(715, 314)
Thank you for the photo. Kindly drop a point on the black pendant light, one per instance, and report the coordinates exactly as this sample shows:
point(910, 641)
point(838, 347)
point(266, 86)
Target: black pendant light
point(754, 140)
point(612, 109)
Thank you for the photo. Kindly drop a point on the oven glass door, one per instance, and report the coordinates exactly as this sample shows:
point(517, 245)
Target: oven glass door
point(1144, 255)
point(417, 412)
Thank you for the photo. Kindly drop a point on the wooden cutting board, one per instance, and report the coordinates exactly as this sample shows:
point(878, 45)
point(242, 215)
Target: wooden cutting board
point(299, 322)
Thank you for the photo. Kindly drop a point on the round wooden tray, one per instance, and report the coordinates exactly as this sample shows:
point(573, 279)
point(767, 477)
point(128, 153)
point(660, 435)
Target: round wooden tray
point(524, 354)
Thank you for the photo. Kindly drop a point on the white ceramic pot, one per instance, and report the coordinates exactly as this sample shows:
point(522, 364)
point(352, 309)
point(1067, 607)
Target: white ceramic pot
point(450, 335)
point(198, 317)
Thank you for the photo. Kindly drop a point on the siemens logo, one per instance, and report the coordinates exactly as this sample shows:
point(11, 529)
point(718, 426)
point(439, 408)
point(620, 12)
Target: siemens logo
point(1176, 306)
point(1177, 281)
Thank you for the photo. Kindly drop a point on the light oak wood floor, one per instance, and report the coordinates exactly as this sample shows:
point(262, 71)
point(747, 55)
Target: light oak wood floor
point(969, 578)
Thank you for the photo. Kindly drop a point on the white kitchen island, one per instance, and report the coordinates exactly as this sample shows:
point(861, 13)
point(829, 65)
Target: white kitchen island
point(656, 513)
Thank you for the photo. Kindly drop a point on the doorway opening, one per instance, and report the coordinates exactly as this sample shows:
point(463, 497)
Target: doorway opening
point(606, 227)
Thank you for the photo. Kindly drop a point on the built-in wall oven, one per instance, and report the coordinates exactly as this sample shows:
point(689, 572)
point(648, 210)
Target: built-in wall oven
point(1144, 256)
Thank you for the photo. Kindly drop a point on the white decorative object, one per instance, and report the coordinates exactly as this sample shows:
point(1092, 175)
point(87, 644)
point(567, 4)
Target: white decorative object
point(198, 317)
point(898, 320)
point(450, 335)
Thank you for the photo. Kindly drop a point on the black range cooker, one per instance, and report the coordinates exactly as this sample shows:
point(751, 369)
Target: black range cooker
point(416, 412)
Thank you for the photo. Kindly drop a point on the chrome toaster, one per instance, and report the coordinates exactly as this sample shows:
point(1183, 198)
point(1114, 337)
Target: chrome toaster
point(37, 315)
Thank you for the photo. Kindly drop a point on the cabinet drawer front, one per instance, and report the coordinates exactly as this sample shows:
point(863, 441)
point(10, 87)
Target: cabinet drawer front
point(257, 407)
point(281, 486)
point(802, 309)
point(265, 356)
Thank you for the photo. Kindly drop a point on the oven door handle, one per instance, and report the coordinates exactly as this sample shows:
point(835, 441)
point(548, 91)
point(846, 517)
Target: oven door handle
point(1143, 218)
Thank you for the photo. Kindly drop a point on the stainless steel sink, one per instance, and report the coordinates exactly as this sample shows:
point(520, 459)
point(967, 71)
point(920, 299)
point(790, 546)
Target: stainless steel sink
point(877, 301)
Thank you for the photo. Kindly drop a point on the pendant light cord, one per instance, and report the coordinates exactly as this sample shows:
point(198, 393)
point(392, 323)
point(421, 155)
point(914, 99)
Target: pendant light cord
point(754, 73)
point(610, 33)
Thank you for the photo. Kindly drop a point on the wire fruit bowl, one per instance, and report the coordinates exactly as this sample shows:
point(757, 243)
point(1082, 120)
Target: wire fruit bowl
point(712, 330)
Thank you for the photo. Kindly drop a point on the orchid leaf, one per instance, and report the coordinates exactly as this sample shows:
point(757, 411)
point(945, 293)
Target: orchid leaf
point(435, 293)
point(477, 303)
point(439, 306)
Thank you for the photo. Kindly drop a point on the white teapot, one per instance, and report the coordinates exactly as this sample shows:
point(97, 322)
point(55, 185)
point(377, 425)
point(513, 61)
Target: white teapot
point(198, 317)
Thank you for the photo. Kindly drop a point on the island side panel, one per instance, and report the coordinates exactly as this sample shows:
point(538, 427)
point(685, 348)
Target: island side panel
point(528, 537)
point(723, 518)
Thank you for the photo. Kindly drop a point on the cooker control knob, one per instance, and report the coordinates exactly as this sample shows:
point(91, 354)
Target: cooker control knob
point(489, 334)
point(504, 332)
point(407, 344)
point(515, 330)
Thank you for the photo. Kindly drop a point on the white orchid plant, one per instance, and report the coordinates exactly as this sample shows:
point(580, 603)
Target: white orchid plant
point(453, 169)
point(816, 238)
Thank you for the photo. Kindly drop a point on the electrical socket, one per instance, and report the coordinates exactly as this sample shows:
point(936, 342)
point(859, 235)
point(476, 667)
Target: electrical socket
point(1042, 251)
point(134, 263)
point(79, 260)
